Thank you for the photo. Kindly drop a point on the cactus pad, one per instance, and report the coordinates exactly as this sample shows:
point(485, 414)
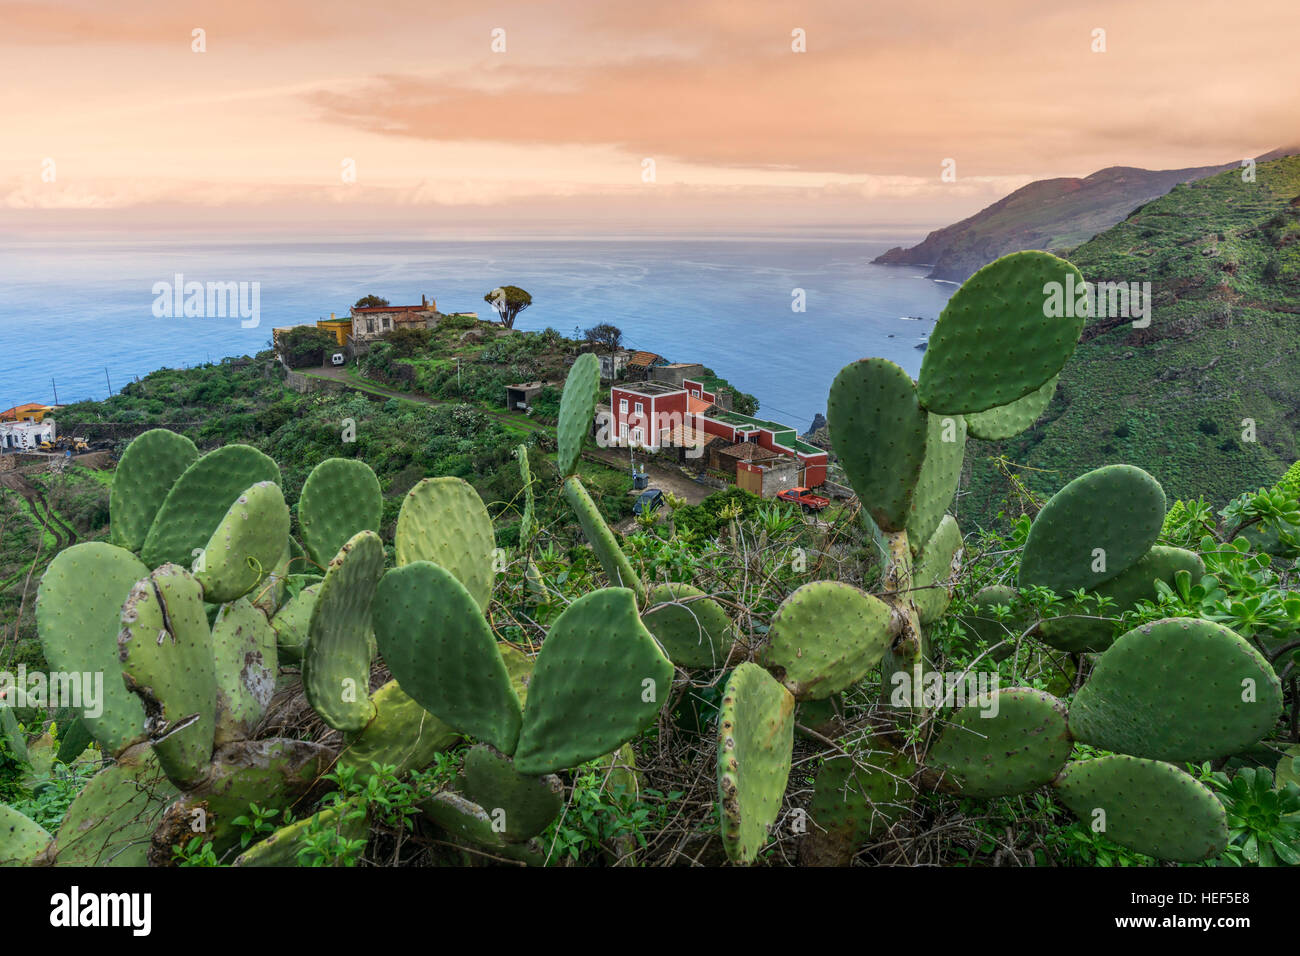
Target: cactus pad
point(271, 773)
point(1106, 519)
point(945, 450)
point(755, 745)
point(443, 520)
point(528, 803)
point(692, 628)
point(340, 497)
point(111, 820)
point(853, 800)
point(21, 840)
point(292, 623)
point(1021, 745)
point(243, 649)
point(994, 342)
point(577, 405)
point(520, 668)
point(199, 500)
point(1148, 806)
point(403, 735)
point(1087, 631)
point(443, 654)
point(617, 567)
point(143, 476)
point(1177, 689)
point(934, 571)
point(463, 818)
point(336, 662)
point(247, 545)
point(879, 433)
point(1007, 421)
point(599, 680)
point(165, 649)
point(78, 616)
point(825, 637)
point(528, 520)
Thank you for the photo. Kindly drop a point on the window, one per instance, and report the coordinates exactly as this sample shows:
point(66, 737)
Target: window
point(388, 321)
point(370, 325)
point(636, 436)
point(622, 432)
point(622, 406)
point(640, 408)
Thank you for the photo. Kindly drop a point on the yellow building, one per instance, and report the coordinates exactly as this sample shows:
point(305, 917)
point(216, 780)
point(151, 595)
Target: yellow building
point(340, 327)
point(31, 412)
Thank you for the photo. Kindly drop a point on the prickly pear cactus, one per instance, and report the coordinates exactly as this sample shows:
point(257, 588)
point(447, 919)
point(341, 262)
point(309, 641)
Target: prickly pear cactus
point(1178, 689)
point(112, 819)
point(826, 637)
point(1001, 311)
point(526, 804)
point(692, 628)
point(246, 546)
point(1011, 741)
point(245, 660)
point(1007, 421)
point(1086, 631)
point(443, 654)
point(1093, 529)
point(165, 649)
point(755, 737)
point(336, 663)
point(78, 616)
point(21, 840)
point(199, 499)
point(402, 735)
point(599, 681)
point(292, 623)
point(879, 432)
point(143, 476)
point(340, 497)
point(443, 520)
point(617, 567)
point(577, 404)
point(1149, 806)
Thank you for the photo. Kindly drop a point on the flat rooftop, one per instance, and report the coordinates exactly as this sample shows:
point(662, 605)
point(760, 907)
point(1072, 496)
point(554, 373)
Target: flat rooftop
point(650, 388)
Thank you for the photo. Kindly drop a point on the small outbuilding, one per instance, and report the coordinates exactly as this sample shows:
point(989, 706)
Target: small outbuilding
point(521, 396)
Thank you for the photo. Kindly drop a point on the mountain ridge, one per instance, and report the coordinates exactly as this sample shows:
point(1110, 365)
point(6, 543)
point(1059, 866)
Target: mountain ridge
point(1053, 214)
point(1206, 397)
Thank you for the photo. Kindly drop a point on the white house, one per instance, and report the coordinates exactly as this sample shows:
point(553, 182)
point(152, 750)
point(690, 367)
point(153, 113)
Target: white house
point(25, 436)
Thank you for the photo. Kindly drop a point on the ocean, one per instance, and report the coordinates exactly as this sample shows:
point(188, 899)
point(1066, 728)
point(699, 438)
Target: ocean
point(77, 316)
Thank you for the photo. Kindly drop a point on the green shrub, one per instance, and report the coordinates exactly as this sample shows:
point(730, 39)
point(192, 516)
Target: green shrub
point(306, 345)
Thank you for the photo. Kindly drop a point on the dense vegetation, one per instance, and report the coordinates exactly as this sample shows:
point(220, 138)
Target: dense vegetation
point(808, 622)
point(1178, 398)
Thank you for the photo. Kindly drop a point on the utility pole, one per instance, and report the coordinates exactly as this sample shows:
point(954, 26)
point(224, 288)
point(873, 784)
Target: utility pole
point(56, 390)
point(110, 384)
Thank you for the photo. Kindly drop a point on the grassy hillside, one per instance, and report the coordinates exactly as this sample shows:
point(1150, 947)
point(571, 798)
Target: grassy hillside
point(1223, 260)
point(1050, 214)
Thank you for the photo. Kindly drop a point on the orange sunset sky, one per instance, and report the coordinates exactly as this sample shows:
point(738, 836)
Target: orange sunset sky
point(110, 102)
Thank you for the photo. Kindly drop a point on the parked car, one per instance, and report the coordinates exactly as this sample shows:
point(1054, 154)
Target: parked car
point(804, 498)
point(648, 502)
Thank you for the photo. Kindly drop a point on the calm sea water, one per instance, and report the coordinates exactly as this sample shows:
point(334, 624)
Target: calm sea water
point(80, 313)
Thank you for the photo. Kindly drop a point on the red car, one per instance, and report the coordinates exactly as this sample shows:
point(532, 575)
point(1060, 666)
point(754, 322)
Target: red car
point(804, 499)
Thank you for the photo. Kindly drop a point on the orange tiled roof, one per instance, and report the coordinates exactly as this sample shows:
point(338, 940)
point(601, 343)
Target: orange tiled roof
point(697, 406)
point(643, 358)
point(12, 413)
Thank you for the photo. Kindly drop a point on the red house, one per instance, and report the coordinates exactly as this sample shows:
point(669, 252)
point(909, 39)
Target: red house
point(645, 414)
